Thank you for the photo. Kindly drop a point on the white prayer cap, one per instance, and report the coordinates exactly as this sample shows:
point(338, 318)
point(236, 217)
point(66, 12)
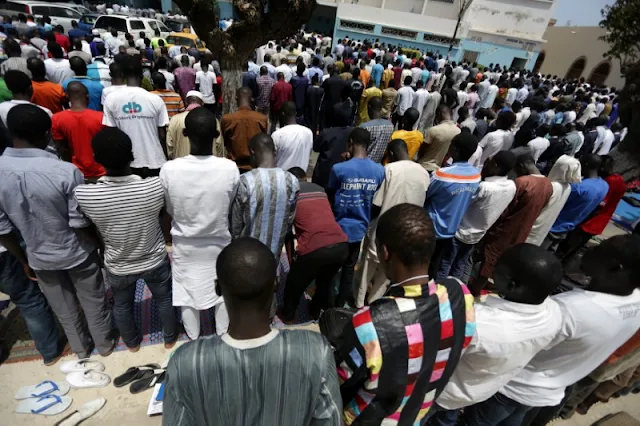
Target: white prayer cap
point(194, 93)
point(95, 32)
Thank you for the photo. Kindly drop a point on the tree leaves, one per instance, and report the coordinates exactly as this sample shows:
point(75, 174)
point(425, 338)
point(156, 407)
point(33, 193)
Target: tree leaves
point(622, 23)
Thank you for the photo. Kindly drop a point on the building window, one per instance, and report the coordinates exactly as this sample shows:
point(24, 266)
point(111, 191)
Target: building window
point(576, 68)
point(432, 38)
point(470, 56)
point(397, 32)
point(356, 26)
point(600, 73)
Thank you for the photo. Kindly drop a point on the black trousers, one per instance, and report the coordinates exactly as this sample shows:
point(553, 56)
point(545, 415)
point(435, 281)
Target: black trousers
point(320, 265)
point(572, 244)
point(345, 294)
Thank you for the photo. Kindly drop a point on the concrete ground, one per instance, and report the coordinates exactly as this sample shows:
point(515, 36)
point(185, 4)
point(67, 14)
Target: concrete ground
point(124, 409)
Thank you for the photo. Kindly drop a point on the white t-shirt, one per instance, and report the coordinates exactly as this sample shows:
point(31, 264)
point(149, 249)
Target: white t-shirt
point(494, 195)
point(293, 146)
point(58, 70)
point(138, 113)
point(491, 144)
point(110, 89)
point(6, 106)
point(169, 77)
point(511, 96)
point(538, 146)
point(508, 335)
point(594, 325)
point(206, 81)
point(198, 67)
point(404, 182)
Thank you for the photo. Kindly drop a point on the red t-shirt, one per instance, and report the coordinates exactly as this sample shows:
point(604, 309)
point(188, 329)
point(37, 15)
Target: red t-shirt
point(63, 41)
point(597, 223)
point(78, 128)
point(280, 93)
point(315, 224)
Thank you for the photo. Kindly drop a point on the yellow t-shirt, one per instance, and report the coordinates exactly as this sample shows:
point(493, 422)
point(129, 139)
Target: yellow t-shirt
point(372, 92)
point(413, 139)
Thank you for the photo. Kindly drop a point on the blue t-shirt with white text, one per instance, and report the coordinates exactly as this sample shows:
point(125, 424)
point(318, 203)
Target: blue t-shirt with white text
point(355, 182)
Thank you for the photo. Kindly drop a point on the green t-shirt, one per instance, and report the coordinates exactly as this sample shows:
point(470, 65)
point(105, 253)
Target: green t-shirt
point(5, 93)
point(155, 40)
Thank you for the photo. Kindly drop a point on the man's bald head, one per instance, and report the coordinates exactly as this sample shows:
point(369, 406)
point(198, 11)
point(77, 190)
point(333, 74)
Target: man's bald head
point(78, 94)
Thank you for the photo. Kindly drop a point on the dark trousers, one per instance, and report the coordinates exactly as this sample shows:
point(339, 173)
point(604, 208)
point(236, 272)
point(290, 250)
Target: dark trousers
point(438, 416)
point(158, 280)
point(213, 108)
point(454, 260)
point(443, 246)
point(345, 294)
point(497, 410)
point(320, 265)
point(145, 172)
point(32, 304)
point(570, 246)
point(540, 416)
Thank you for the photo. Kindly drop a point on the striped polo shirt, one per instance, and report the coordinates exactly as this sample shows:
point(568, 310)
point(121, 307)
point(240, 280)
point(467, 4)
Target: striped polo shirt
point(126, 211)
point(172, 100)
point(450, 192)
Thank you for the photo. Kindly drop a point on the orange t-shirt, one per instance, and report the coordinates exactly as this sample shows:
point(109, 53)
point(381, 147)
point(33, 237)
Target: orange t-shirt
point(49, 95)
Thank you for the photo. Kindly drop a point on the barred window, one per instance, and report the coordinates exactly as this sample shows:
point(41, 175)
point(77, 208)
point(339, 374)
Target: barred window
point(356, 26)
point(397, 32)
point(439, 39)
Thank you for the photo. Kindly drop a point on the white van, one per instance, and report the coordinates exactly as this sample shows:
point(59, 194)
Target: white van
point(60, 13)
point(132, 25)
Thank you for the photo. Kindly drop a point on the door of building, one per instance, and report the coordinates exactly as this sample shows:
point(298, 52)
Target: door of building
point(519, 63)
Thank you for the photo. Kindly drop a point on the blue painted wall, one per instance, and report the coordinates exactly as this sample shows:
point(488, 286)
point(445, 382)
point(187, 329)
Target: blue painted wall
point(496, 53)
point(354, 35)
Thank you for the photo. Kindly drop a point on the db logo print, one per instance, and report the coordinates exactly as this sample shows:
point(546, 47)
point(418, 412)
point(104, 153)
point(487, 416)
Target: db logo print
point(132, 108)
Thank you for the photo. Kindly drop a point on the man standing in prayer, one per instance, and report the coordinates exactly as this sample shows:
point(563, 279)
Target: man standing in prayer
point(438, 139)
point(297, 361)
point(379, 128)
point(410, 353)
point(199, 190)
point(533, 192)
point(293, 142)
point(352, 185)
point(36, 200)
point(265, 203)
point(405, 181)
point(239, 127)
point(125, 208)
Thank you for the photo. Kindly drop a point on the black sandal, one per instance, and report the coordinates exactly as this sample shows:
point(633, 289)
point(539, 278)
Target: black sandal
point(135, 373)
point(147, 382)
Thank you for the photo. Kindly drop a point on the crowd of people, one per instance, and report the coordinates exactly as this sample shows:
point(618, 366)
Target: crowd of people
point(435, 181)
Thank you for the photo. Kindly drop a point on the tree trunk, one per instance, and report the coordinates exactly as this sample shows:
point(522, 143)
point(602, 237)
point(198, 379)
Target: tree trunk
point(231, 81)
point(627, 155)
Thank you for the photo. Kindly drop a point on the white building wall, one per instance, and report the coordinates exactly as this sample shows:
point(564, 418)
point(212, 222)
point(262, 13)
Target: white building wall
point(524, 19)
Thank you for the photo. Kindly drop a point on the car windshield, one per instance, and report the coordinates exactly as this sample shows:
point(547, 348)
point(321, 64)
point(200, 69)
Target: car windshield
point(176, 26)
point(181, 41)
point(87, 19)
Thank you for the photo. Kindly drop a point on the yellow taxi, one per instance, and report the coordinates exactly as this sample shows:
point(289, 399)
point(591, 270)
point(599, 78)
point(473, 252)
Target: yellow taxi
point(186, 39)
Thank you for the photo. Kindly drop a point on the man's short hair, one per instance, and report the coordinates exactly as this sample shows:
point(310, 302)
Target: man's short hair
point(406, 230)
point(112, 148)
point(360, 136)
point(17, 81)
point(28, 122)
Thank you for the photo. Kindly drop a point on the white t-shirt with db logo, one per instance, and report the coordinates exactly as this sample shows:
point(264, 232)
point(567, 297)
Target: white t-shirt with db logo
point(138, 113)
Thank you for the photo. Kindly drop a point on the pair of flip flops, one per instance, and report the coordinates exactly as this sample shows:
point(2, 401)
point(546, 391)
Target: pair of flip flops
point(46, 398)
point(85, 373)
point(82, 413)
point(141, 378)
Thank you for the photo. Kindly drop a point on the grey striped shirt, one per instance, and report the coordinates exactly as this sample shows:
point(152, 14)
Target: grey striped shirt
point(286, 378)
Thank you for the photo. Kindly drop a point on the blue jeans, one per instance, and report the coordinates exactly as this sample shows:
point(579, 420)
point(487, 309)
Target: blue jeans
point(34, 306)
point(455, 260)
point(158, 280)
point(497, 410)
point(438, 416)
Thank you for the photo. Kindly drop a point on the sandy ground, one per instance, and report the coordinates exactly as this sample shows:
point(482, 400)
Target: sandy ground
point(125, 409)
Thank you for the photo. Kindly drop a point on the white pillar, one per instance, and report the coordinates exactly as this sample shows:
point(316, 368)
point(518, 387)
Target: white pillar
point(424, 6)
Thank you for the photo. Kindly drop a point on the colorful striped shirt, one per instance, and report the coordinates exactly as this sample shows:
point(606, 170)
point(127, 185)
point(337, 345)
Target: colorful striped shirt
point(450, 192)
point(264, 206)
point(395, 357)
point(172, 100)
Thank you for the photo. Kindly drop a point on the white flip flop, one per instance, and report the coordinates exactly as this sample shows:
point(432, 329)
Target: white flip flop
point(88, 379)
point(82, 413)
point(44, 388)
point(48, 405)
point(81, 365)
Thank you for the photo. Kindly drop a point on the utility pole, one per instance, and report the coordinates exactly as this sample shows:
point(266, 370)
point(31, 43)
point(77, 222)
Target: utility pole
point(463, 7)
